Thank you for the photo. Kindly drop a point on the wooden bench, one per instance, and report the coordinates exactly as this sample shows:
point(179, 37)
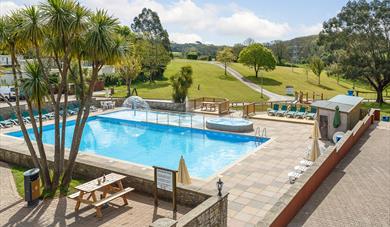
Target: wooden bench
point(100, 203)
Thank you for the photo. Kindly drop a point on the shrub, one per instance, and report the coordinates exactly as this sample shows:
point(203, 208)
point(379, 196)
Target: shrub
point(192, 55)
point(181, 82)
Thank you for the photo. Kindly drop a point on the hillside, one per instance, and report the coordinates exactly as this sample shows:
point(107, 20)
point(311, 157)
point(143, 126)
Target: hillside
point(211, 81)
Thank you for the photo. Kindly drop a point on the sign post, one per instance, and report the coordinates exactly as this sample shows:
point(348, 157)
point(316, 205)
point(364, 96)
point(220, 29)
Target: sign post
point(165, 179)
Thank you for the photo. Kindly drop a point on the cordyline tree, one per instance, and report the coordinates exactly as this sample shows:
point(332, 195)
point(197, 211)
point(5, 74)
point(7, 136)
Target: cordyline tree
point(62, 34)
point(359, 35)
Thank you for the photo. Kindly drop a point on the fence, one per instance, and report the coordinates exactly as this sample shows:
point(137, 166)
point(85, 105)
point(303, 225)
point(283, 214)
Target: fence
point(306, 97)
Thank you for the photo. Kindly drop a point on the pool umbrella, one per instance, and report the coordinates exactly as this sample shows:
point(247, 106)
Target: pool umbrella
point(336, 119)
point(183, 175)
point(315, 148)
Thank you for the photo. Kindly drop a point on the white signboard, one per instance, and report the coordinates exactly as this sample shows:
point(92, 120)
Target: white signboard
point(164, 180)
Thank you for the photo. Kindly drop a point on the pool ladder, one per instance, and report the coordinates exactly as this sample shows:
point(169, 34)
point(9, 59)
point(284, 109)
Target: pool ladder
point(260, 133)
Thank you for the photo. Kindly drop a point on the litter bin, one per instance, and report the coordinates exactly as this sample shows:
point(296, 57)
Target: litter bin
point(350, 92)
point(32, 187)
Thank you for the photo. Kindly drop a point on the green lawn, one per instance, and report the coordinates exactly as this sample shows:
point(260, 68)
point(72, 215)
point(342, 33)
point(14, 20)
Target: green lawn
point(212, 81)
point(385, 107)
point(18, 171)
point(276, 81)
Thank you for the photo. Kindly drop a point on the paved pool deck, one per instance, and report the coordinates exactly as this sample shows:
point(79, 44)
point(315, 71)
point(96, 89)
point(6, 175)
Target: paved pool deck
point(255, 182)
point(356, 193)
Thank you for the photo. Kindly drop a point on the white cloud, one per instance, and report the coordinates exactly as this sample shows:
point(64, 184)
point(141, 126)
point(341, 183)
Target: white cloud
point(6, 7)
point(246, 24)
point(309, 30)
point(189, 20)
point(178, 37)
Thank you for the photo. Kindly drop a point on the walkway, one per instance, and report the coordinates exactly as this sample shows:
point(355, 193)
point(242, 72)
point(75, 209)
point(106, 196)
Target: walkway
point(356, 193)
point(60, 211)
point(272, 96)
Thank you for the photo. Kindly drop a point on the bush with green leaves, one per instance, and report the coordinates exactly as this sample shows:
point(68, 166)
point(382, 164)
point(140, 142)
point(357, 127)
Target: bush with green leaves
point(181, 82)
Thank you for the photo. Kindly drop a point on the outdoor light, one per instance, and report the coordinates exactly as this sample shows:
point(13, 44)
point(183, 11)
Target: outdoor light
point(219, 187)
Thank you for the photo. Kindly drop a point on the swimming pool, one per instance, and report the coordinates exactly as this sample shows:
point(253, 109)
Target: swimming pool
point(205, 152)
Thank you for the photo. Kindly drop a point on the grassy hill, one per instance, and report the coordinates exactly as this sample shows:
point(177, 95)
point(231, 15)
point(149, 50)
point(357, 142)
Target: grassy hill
point(277, 80)
point(212, 81)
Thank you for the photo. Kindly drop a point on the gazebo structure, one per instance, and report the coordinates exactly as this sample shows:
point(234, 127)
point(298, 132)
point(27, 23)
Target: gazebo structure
point(349, 107)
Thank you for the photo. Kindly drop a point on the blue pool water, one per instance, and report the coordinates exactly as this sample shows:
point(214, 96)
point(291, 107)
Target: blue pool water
point(205, 152)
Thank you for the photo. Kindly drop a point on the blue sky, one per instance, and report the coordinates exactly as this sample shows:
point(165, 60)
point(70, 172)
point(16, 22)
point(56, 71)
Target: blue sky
point(220, 21)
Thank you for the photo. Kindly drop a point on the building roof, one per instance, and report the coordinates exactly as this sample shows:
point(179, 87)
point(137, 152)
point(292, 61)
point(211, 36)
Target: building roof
point(346, 103)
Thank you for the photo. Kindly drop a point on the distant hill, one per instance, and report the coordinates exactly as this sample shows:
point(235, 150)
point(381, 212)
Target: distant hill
point(296, 50)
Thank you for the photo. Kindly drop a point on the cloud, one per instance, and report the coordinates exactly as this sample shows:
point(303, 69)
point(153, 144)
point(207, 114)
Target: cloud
point(178, 37)
point(6, 7)
point(246, 24)
point(309, 30)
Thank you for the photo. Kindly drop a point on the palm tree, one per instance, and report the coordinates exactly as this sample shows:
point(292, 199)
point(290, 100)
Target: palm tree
point(35, 88)
point(102, 46)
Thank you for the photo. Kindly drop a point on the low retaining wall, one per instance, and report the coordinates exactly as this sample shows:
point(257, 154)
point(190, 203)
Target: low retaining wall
point(295, 198)
point(166, 105)
point(212, 212)
point(91, 171)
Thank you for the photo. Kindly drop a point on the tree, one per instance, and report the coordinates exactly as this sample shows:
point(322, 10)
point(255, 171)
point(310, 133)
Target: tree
point(237, 48)
point(60, 33)
point(181, 82)
point(148, 27)
point(225, 56)
point(361, 31)
point(279, 49)
point(317, 65)
point(35, 89)
point(307, 69)
point(258, 57)
point(129, 68)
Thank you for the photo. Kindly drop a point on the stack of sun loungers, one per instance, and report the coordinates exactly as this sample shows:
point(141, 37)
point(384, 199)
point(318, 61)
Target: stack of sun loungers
point(299, 170)
point(292, 111)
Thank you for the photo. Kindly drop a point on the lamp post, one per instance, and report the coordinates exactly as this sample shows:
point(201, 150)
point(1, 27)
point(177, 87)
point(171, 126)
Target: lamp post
point(219, 187)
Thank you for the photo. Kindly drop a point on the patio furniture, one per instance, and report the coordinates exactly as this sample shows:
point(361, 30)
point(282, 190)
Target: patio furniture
point(36, 115)
point(111, 184)
point(6, 123)
point(293, 176)
point(312, 114)
point(208, 106)
point(26, 116)
point(300, 169)
point(93, 108)
point(14, 118)
point(282, 111)
point(306, 163)
point(272, 112)
point(47, 114)
point(291, 112)
point(301, 113)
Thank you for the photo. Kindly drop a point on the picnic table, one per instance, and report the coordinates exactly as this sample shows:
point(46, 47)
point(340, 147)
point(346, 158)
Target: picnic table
point(208, 106)
point(112, 184)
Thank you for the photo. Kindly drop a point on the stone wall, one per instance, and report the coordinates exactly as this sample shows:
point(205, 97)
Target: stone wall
point(166, 105)
point(295, 198)
point(210, 213)
point(89, 171)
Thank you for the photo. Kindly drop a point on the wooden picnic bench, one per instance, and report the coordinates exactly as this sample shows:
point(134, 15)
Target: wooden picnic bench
point(108, 186)
point(208, 106)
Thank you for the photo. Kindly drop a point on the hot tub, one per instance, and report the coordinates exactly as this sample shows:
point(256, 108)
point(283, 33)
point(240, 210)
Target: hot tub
point(229, 124)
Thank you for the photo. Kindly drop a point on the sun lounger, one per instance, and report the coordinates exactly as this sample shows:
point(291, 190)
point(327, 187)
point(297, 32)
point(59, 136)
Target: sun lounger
point(282, 111)
point(312, 114)
point(300, 169)
point(291, 112)
point(47, 114)
point(306, 163)
point(272, 112)
point(6, 123)
point(301, 113)
point(36, 115)
point(26, 117)
point(293, 176)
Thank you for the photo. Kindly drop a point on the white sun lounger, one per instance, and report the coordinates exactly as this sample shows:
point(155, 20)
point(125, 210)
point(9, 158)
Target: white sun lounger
point(293, 176)
point(306, 163)
point(301, 169)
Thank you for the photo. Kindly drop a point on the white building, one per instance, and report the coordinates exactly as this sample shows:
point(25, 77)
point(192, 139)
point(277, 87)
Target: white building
point(6, 59)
